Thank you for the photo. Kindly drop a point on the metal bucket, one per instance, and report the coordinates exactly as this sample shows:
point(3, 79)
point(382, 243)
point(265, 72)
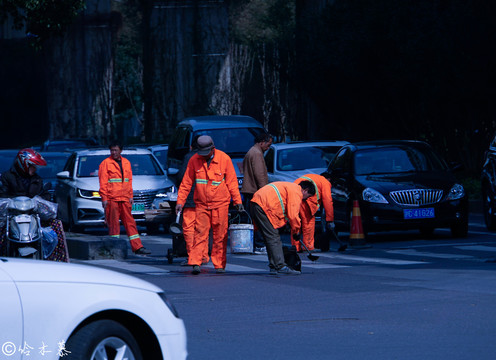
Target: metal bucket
point(241, 237)
point(176, 228)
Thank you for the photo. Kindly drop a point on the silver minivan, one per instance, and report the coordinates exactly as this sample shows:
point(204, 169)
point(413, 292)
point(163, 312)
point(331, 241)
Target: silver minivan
point(80, 205)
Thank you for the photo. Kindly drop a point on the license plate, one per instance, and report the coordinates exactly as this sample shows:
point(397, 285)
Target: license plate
point(138, 208)
point(426, 213)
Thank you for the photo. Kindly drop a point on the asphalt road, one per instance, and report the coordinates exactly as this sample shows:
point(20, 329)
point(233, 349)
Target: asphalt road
point(405, 297)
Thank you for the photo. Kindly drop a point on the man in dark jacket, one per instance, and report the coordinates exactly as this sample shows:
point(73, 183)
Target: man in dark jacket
point(255, 177)
point(22, 179)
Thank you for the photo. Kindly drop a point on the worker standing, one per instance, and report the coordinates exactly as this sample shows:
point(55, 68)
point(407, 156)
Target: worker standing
point(310, 206)
point(116, 190)
point(255, 177)
point(272, 207)
point(213, 174)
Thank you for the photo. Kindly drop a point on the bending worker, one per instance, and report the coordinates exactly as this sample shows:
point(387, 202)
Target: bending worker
point(310, 206)
point(116, 190)
point(272, 207)
point(216, 183)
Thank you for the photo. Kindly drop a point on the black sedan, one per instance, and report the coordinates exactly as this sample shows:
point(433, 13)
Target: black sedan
point(399, 185)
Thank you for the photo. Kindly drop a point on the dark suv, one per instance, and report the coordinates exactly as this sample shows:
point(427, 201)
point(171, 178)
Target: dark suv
point(233, 134)
point(488, 185)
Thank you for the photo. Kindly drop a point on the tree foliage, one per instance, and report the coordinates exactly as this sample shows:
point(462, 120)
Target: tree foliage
point(42, 18)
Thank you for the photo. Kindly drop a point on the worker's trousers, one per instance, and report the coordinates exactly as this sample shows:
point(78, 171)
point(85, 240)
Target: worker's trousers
point(121, 210)
point(218, 220)
point(189, 221)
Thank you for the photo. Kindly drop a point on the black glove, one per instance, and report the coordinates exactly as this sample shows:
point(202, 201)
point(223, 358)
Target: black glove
point(330, 225)
point(297, 236)
point(239, 207)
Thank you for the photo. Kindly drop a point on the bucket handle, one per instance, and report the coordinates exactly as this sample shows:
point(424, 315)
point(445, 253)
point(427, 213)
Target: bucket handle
point(238, 217)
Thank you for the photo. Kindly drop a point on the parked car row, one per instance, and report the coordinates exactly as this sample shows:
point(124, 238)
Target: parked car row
point(398, 184)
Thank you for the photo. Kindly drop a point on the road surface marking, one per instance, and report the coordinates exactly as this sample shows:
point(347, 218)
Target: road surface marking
point(477, 248)
point(412, 252)
point(371, 260)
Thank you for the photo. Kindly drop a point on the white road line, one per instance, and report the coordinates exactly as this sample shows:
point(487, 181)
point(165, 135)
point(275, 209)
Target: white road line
point(317, 265)
point(136, 268)
point(371, 260)
point(477, 248)
point(412, 252)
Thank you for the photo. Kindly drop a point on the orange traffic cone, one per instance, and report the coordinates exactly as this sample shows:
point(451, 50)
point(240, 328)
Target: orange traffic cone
point(357, 237)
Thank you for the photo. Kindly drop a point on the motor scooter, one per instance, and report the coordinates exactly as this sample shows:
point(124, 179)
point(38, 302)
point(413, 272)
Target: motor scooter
point(23, 231)
point(25, 237)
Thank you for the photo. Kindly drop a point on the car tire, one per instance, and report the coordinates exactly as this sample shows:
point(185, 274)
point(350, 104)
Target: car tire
point(460, 229)
point(103, 339)
point(72, 224)
point(427, 231)
point(152, 228)
point(489, 208)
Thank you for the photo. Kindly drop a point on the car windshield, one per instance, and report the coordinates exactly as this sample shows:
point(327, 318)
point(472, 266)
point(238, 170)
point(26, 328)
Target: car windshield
point(161, 155)
point(300, 158)
point(234, 142)
point(396, 160)
point(142, 164)
point(54, 165)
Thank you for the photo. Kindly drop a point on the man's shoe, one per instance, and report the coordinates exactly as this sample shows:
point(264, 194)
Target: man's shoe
point(286, 270)
point(261, 250)
point(272, 271)
point(196, 270)
point(142, 251)
point(220, 270)
point(184, 263)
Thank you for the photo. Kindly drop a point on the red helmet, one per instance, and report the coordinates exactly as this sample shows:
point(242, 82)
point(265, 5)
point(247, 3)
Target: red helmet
point(27, 157)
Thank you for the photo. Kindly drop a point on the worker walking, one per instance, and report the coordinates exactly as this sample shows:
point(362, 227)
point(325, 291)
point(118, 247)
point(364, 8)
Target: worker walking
point(116, 191)
point(310, 206)
point(254, 177)
point(272, 207)
point(189, 211)
point(213, 174)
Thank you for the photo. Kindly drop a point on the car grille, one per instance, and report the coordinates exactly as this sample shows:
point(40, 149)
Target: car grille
point(417, 197)
point(144, 197)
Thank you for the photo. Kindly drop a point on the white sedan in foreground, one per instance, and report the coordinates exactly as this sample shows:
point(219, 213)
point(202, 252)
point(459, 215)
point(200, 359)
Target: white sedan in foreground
point(58, 310)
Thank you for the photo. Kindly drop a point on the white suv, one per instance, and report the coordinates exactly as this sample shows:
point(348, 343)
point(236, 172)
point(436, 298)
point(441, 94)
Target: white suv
point(77, 187)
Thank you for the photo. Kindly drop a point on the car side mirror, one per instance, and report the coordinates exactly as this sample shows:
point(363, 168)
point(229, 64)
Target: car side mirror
point(338, 172)
point(63, 175)
point(455, 167)
point(172, 171)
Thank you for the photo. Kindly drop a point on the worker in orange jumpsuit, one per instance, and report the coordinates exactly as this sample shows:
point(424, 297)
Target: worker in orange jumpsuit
point(116, 190)
point(189, 211)
point(272, 207)
point(216, 183)
point(310, 206)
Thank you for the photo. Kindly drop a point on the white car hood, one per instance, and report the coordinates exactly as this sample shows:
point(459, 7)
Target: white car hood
point(39, 271)
point(140, 182)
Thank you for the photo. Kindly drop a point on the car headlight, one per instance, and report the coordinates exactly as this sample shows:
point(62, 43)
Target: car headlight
point(169, 193)
point(456, 192)
point(89, 194)
point(373, 196)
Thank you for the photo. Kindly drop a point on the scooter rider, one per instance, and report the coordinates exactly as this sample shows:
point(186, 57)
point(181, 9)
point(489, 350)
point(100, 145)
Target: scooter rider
point(22, 179)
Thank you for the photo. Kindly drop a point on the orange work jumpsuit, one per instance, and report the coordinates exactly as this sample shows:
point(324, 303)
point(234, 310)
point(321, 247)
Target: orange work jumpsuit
point(311, 205)
point(280, 206)
point(116, 187)
point(215, 185)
